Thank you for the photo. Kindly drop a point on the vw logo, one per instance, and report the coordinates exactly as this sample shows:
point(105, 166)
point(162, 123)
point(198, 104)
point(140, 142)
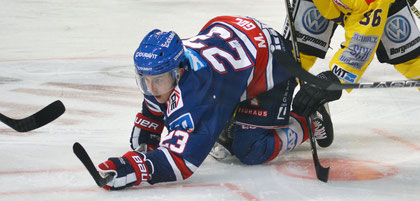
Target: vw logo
point(397, 29)
point(313, 21)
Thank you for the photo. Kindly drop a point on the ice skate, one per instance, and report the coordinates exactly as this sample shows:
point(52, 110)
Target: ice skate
point(323, 130)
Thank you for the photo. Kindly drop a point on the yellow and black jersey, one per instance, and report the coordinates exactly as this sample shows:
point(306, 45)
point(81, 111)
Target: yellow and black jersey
point(384, 27)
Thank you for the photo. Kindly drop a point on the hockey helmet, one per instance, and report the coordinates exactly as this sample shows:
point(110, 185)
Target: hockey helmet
point(157, 61)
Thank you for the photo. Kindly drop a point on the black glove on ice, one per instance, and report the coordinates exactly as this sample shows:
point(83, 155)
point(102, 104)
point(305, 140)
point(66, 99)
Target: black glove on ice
point(309, 97)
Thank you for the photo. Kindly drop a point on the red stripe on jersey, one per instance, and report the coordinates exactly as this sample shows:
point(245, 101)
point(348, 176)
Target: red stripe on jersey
point(259, 81)
point(277, 143)
point(185, 171)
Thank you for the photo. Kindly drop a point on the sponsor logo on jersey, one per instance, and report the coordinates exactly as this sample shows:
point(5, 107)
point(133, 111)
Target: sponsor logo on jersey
point(343, 74)
point(349, 61)
point(341, 4)
point(313, 21)
point(253, 112)
point(403, 48)
point(185, 121)
point(397, 29)
point(311, 39)
point(364, 38)
point(359, 50)
point(175, 101)
point(284, 107)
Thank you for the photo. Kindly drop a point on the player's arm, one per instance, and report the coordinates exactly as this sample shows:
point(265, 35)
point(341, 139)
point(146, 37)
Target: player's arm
point(179, 154)
point(148, 126)
point(165, 164)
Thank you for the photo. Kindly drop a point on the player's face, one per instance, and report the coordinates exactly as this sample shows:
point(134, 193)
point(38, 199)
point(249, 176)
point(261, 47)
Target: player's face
point(160, 86)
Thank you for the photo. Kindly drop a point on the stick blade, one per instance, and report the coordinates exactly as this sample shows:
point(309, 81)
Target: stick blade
point(49, 113)
point(37, 120)
point(83, 156)
point(322, 173)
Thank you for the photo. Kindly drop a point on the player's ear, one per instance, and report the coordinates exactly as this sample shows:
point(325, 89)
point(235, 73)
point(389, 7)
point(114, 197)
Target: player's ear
point(181, 71)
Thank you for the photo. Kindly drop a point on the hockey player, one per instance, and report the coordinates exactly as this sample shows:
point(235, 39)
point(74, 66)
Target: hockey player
point(384, 27)
point(193, 86)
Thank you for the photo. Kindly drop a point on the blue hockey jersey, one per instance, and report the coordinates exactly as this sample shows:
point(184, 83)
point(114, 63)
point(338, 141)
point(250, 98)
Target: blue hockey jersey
point(230, 61)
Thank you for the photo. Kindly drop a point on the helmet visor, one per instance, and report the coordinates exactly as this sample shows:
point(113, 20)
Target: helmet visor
point(156, 85)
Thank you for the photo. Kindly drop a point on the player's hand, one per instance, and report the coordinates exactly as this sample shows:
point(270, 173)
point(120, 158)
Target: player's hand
point(128, 170)
point(309, 97)
point(145, 135)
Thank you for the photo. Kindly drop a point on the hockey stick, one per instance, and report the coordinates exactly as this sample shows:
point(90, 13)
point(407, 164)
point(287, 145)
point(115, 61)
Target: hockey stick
point(87, 162)
point(321, 172)
point(37, 120)
point(292, 31)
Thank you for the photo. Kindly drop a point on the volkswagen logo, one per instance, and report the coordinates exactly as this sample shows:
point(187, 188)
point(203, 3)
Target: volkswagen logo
point(397, 29)
point(313, 21)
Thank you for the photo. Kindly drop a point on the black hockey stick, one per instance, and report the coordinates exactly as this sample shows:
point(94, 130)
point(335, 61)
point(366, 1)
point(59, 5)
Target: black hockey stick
point(39, 119)
point(87, 162)
point(321, 172)
point(292, 31)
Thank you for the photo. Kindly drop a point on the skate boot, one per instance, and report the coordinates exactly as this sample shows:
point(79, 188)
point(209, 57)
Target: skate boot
point(223, 147)
point(323, 131)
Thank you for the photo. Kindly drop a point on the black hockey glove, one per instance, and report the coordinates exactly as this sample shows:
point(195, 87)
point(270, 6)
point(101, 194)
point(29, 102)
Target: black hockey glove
point(309, 97)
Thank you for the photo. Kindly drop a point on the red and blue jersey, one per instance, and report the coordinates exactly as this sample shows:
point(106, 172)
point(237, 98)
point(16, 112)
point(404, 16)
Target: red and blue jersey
point(230, 61)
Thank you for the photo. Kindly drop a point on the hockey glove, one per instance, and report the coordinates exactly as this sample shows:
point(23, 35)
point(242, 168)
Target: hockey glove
point(309, 97)
point(145, 135)
point(128, 170)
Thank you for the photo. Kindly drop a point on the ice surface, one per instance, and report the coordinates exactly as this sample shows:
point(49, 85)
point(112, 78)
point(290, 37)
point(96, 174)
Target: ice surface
point(80, 52)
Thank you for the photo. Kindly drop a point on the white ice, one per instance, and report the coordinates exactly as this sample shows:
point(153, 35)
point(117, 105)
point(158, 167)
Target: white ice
point(80, 52)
